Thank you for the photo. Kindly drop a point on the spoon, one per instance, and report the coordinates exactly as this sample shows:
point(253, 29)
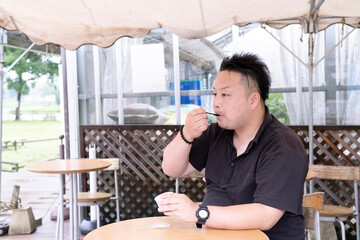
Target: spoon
point(215, 114)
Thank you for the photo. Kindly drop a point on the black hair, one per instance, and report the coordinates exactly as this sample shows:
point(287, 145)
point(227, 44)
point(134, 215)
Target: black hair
point(251, 66)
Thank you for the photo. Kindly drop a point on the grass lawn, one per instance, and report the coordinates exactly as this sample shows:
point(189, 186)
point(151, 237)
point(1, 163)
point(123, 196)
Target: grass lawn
point(32, 151)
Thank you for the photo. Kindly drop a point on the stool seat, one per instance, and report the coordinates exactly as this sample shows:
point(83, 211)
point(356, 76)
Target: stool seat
point(335, 211)
point(91, 196)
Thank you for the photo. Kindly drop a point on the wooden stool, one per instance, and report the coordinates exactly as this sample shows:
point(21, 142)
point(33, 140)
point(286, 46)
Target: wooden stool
point(92, 199)
point(22, 222)
point(334, 213)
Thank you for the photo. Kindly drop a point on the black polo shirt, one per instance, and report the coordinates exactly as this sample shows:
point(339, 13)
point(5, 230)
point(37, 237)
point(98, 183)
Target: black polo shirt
point(271, 171)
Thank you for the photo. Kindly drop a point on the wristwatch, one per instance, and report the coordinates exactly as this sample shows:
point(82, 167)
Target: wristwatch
point(202, 215)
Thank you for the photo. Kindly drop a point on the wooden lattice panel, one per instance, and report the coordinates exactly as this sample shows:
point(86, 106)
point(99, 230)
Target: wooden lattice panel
point(140, 149)
point(339, 146)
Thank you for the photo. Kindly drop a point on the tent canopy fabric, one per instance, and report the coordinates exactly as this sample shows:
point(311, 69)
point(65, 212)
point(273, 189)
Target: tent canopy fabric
point(72, 23)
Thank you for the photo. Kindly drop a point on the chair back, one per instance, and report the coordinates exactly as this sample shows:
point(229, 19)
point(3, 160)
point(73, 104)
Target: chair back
point(314, 200)
point(196, 174)
point(336, 172)
point(312, 203)
point(341, 173)
point(115, 164)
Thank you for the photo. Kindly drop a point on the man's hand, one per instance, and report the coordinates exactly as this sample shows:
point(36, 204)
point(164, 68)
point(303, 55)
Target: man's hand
point(174, 204)
point(195, 124)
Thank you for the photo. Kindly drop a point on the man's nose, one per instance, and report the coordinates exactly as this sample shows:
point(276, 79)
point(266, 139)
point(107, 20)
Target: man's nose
point(216, 103)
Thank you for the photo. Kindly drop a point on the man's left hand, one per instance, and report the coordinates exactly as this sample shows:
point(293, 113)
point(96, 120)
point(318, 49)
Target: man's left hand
point(174, 204)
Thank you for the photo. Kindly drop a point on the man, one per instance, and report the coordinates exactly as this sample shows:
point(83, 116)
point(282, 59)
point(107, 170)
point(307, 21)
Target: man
point(255, 166)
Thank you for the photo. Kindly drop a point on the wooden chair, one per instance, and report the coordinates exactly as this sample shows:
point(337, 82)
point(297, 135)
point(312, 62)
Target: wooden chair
point(312, 204)
point(86, 199)
point(334, 213)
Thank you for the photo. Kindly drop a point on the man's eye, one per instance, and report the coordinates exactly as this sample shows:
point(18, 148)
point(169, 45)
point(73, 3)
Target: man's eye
point(224, 95)
point(214, 94)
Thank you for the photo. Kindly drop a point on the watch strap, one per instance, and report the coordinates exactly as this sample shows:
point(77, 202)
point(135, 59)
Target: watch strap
point(202, 221)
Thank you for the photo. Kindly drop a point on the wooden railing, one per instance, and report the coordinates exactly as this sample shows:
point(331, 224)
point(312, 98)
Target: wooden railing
point(140, 149)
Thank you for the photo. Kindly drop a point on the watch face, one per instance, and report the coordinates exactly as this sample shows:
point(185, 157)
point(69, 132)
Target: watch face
point(203, 213)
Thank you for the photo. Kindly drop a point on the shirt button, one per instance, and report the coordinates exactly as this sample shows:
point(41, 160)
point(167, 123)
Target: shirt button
point(232, 164)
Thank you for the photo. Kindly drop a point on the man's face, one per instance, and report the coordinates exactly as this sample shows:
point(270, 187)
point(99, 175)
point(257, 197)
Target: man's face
point(231, 100)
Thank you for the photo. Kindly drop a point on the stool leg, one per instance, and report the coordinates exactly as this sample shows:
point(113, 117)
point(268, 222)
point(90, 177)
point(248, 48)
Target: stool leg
point(356, 194)
point(308, 235)
point(57, 224)
point(117, 197)
point(177, 185)
point(98, 216)
point(317, 228)
point(342, 228)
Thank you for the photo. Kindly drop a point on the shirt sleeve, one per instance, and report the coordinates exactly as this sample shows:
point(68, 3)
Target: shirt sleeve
point(280, 178)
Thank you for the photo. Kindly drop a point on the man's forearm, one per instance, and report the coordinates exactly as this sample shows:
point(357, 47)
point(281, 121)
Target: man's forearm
point(176, 157)
point(244, 216)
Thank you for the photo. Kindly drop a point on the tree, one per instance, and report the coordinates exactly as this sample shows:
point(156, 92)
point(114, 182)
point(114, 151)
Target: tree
point(277, 107)
point(30, 67)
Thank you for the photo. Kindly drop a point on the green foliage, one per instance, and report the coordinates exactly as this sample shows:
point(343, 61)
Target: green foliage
point(30, 67)
point(277, 107)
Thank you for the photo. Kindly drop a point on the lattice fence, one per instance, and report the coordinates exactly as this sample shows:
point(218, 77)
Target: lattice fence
point(140, 150)
point(339, 146)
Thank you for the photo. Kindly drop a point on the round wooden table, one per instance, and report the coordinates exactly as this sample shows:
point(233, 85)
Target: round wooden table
point(69, 166)
point(78, 165)
point(142, 228)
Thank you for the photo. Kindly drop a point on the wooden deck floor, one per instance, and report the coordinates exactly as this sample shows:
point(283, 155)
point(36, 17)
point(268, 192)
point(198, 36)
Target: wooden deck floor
point(40, 192)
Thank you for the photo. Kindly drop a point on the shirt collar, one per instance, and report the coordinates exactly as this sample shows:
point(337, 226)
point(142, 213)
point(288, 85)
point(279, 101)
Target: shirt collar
point(264, 125)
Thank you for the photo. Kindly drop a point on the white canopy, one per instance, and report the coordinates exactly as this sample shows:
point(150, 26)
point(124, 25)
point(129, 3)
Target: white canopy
point(72, 23)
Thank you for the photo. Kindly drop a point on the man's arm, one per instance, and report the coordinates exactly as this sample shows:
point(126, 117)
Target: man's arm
point(244, 216)
point(176, 154)
point(176, 158)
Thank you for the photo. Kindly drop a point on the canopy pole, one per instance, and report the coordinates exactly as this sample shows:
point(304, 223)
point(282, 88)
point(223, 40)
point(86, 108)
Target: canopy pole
point(176, 62)
point(311, 124)
point(2, 36)
point(284, 46)
point(119, 76)
point(97, 86)
point(333, 48)
point(65, 102)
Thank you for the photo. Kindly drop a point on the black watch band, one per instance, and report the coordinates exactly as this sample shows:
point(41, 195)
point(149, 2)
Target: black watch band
point(202, 215)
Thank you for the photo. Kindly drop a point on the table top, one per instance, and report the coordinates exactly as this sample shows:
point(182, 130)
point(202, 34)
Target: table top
point(141, 228)
point(79, 165)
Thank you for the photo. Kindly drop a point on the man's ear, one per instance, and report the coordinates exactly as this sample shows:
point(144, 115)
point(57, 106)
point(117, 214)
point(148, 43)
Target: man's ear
point(254, 100)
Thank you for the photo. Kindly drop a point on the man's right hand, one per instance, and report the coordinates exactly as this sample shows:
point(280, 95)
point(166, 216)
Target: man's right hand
point(195, 124)
point(176, 155)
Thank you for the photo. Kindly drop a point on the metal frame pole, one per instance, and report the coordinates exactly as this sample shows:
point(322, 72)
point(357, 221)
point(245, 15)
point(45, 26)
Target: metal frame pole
point(311, 100)
point(176, 60)
point(97, 86)
point(2, 60)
